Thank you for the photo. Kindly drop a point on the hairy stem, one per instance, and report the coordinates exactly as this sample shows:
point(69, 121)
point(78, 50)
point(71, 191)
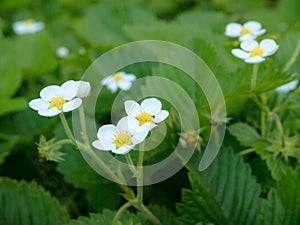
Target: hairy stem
point(140, 175)
point(123, 208)
point(254, 77)
point(67, 128)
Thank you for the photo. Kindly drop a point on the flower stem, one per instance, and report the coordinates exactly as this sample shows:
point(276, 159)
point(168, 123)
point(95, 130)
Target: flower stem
point(62, 142)
point(67, 128)
point(280, 129)
point(148, 213)
point(83, 125)
point(247, 151)
point(140, 175)
point(254, 77)
point(131, 164)
point(124, 207)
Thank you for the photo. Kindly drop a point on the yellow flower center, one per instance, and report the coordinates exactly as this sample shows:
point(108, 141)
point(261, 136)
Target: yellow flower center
point(57, 102)
point(144, 118)
point(28, 22)
point(117, 77)
point(245, 30)
point(122, 139)
point(257, 51)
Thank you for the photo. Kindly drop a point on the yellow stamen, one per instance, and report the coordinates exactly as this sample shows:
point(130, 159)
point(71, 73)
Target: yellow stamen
point(245, 30)
point(122, 139)
point(257, 51)
point(144, 118)
point(28, 22)
point(117, 77)
point(57, 102)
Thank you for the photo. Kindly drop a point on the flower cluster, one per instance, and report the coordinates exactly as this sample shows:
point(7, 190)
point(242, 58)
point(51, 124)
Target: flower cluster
point(250, 50)
point(55, 99)
point(132, 129)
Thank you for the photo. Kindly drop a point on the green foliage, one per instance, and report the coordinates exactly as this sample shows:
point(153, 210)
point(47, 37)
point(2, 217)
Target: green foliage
point(226, 193)
point(282, 204)
point(26, 203)
point(6, 144)
point(10, 81)
point(99, 191)
point(245, 134)
point(107, 216)
point(41, 50)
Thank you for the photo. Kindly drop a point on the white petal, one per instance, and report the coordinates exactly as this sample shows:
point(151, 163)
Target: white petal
point(240, 53)
point(259, 32)
point(253, 25)
point(161, 116)
point(112, 86)
point(249, 45)
point(106, 80)
point(269, 46)
point(133, 124)
point(50, 92)
point(287, 87)
point(124, 85)
point(123, 124)
point(130, 77)
point(151, 106)
point(123, 150)
point(140, 134)
point(233, 30)
point(71, 105)
point(39, 104)
point(255, 60)
point(49, 112)
point(246, 37)
point(107, 132)
point(132, 108)
point(97, 144)
point(69, 89)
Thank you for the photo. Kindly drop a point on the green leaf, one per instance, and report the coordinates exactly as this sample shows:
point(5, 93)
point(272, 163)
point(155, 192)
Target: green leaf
point(106, 218)
point(25, 203)
point(99, 190)
point(282, 206)
point(11, 76)
point(289, 192)
point(244, 133)
point(6, 144)
point(103, 23)
point(277, 165)
point(35, 53)
point(12, 104)
point(161, 213)
point(272, 210)
point(225, 193)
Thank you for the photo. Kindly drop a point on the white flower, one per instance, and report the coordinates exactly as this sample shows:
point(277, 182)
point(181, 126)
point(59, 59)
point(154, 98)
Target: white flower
point(148, 113)
point(27, 26)
point(249, 30)
point(122, 138)
point(287, 87)
point(120, 80)
point(62, 52)
point(253, 52)
point(83, 89)
point(56, 99)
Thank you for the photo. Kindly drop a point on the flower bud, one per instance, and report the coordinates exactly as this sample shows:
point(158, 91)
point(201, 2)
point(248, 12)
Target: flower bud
point(83, 89)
